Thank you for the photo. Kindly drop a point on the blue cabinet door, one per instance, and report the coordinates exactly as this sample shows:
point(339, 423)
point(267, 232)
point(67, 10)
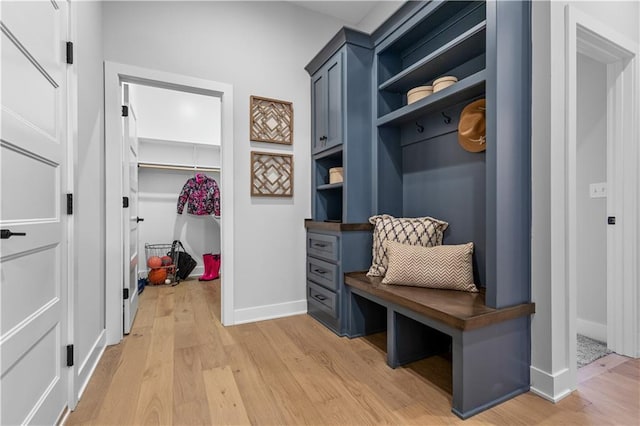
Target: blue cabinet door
point(318, 111)
point(327, 105)
point(334, 102)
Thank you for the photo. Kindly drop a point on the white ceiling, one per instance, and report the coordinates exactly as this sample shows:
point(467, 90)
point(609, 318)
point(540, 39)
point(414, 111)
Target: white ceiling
point(352, 12)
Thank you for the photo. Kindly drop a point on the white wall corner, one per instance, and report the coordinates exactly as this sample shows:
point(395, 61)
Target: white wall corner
point(551, 386)
point(267, 312)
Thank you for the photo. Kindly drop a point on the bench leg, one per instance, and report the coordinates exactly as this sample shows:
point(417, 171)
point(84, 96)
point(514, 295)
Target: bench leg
point(490, 365)
point(408, 340)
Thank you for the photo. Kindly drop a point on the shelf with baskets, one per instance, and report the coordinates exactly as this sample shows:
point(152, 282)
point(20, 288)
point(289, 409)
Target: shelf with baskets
point(466, 46)
point(464, 89)
point(442, 39)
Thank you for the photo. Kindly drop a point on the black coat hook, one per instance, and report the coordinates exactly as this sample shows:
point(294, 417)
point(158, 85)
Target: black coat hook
point(447, 119)
point(420, 127)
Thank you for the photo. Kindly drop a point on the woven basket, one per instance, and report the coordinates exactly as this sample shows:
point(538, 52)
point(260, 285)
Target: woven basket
point(335, 175)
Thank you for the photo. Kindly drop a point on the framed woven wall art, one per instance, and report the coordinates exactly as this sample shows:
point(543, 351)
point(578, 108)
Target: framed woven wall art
point(271, 120)
point(271, 174)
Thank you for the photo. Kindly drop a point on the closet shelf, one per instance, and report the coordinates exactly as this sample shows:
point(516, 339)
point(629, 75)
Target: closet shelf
point(329, 186)
point(459, 50)
point(183, 167)
point(465, 89)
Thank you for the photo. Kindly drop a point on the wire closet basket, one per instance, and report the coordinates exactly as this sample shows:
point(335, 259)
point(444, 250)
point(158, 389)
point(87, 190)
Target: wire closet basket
point(166, 272)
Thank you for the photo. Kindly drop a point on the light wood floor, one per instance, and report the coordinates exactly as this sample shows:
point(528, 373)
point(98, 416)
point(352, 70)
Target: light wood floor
point(180, 366)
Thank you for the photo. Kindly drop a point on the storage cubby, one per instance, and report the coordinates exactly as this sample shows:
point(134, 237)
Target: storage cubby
point(328, 196)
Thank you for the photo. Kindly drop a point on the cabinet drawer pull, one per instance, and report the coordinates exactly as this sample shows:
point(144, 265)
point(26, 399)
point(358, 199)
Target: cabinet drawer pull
point(319, 245)
point(319, 271)
point(320, 297)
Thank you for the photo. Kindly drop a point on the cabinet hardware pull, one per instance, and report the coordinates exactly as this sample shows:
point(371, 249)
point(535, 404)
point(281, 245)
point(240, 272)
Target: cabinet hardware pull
point(6, 234)
point(319, 245)
point(319, 271)
point(320, 297)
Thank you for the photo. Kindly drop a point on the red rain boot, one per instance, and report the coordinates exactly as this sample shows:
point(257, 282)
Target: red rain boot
point(215, 266)
point(206, 260)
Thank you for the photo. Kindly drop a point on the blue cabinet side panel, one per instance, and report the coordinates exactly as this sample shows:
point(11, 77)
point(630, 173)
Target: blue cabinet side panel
point(509, 159)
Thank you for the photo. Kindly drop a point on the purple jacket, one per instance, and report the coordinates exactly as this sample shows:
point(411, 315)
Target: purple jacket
point(201, 195)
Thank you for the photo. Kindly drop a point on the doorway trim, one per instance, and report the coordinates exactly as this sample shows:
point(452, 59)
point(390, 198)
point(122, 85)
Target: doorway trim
point(588, 36)
point(114, 75)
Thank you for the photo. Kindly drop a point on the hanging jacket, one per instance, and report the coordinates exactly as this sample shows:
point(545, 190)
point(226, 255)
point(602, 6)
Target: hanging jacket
point(201, 195)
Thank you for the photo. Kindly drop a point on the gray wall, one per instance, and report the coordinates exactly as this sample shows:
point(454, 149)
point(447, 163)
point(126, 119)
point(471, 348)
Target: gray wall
point(260, 48)
point(89, 285)
point(592, 212)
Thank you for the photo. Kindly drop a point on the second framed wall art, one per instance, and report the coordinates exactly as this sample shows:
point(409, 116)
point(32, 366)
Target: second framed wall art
point(271, 174)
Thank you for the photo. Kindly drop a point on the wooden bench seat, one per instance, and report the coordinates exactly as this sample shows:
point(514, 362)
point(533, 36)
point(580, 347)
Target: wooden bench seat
point(459, 309)
point(490, 347)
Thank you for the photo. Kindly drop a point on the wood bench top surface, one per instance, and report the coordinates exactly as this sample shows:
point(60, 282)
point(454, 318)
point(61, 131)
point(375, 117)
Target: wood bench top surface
point(458, 309)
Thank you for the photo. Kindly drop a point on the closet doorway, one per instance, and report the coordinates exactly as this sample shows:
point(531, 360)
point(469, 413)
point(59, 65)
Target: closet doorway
point(601, 169)
point(170, 152)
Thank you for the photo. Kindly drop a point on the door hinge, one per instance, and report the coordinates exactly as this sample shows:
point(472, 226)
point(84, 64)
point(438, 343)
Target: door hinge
point(611, 220)
point(69, 355)
point(125, 202)
point(69, 203)
point(125, 294)
point(69, 52)
point(125, 111)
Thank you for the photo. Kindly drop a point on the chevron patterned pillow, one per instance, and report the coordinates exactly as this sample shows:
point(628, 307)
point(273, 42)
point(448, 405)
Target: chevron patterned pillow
point(416, 231)
point(443, 267)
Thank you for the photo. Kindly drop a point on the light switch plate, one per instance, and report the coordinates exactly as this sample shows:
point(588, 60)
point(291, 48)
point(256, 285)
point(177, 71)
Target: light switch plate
point(598, 190)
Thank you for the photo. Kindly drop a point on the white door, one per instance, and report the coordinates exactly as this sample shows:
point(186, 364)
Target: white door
point(33, 150)
point(131, 219)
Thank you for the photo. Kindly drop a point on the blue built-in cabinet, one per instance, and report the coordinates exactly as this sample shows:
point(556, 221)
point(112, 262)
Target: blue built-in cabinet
point(338, 236)
point(404, 159)
point(419, 169)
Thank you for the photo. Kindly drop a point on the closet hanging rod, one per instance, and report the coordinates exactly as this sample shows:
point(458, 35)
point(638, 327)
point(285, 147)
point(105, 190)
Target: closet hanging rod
point(175, 167)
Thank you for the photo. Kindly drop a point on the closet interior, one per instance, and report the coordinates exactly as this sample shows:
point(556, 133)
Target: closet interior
point(178, 139)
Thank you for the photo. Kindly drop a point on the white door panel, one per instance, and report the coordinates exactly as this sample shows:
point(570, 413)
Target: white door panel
point(43, 175)
point(33, 267)
point(130, 187)
point(29, 137)
point(24, 80)
point(44, 44)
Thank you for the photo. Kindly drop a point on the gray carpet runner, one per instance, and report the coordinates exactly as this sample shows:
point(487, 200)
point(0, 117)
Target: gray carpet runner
point(590, 350)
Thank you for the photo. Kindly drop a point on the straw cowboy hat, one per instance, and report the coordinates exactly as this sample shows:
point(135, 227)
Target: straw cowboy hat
point(472, 128)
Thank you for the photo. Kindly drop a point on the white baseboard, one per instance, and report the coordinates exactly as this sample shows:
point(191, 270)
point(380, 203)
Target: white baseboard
point(552, 387)
point(88, 366)
point(197, 271)
point(266, 312)
point(592, 329)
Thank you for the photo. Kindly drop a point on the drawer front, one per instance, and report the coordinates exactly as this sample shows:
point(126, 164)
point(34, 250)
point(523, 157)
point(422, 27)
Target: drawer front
point(323, 273)
point(323, 298)
point(324, 246)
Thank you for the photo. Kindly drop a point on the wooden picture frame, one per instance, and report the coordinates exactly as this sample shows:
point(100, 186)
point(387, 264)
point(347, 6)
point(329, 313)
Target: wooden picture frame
point(271, 174)
point(271, 120)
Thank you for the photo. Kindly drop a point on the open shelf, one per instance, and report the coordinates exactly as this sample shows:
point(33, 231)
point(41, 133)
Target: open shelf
point(468, 45)
point(329, 186)
point(467, 88)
